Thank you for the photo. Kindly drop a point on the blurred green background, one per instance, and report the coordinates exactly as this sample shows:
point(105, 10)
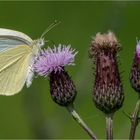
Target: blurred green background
point(32, 113)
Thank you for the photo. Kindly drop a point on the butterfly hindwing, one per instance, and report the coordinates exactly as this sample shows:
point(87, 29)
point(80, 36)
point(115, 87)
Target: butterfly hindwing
point(14, 67)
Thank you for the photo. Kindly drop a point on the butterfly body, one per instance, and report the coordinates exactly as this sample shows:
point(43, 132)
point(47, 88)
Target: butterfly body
point(18, 53)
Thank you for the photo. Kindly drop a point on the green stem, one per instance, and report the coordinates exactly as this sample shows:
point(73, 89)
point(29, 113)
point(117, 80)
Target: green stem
point(78, 119)
point(135, 120)
point(109, 126)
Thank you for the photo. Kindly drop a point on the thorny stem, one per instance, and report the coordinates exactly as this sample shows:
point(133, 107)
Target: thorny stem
point(79, 120)
point(109, 126)
point(135, 120)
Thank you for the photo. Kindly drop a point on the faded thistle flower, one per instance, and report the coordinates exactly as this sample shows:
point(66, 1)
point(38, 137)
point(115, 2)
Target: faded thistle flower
point(51, 62)
point(108, 93)
point(135, 70)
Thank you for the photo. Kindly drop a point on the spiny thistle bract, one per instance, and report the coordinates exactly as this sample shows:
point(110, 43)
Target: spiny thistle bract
point(135, 70)
point(62, 88)
point(108, 92)
point(51, 62)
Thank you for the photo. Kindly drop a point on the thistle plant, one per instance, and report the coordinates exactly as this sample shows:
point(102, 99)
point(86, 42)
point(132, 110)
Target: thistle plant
point(51, 63)
point(108, 93)
point(135, 70)
point(135, 83)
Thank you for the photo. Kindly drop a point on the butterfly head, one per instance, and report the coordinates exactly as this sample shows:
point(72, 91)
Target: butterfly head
point(40, 42)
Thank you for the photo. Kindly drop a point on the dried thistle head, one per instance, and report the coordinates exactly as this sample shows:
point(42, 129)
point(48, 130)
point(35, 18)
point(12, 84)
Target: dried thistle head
point(104, 43)
point(108, 93)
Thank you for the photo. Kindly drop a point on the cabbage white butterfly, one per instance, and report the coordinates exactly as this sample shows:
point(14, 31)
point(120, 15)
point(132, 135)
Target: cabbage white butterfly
point(17, 55)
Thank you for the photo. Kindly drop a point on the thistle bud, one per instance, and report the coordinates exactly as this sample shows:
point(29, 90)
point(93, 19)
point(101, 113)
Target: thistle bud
point(62, 88)
point(108, 92)
point(135, 70)
point(51, 63)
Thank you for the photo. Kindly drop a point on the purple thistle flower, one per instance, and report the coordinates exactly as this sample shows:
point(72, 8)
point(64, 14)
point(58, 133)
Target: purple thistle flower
point(138, 50)
point(53, 60)
point(51, 63)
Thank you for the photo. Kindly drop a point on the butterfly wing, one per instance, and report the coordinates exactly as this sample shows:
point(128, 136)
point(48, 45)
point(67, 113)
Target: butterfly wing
point(14, 67)
point(14, 36)
point(15, 60)
point(17, 55)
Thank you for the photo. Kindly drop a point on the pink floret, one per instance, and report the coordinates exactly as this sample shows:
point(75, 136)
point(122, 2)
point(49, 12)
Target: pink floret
point(53, 60)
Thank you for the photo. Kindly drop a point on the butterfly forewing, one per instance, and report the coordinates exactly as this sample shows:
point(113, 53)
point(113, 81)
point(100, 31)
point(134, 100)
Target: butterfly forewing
point(15, 36)
point(6, 44)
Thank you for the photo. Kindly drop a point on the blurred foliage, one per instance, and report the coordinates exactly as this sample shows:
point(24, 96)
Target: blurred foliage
point(32, 113)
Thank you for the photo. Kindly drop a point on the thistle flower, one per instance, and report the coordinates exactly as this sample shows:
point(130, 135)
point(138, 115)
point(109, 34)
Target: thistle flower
point(51, 62)
point(108, 93)
point(135, 70)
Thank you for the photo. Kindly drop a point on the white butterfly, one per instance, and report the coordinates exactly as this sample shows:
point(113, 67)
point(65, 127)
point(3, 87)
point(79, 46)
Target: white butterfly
point(17, 55)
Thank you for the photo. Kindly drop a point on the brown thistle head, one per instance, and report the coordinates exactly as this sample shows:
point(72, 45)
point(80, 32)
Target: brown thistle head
point(108, 93)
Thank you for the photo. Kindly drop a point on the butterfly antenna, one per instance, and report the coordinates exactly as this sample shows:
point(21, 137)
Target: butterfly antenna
point(51, 26)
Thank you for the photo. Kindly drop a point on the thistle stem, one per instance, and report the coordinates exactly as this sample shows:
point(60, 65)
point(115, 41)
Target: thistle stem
point(109, 126)
point(135, 120)
point(79, 120)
